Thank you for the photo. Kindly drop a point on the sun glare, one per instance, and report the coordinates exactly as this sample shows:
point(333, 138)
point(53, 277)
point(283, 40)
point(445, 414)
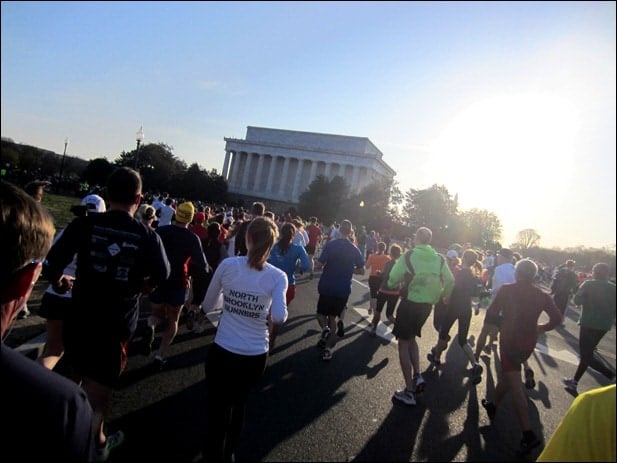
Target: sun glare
point(494, 144)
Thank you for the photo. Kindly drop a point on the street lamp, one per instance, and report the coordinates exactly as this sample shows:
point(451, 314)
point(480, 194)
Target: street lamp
point(66, 142)
point(139, 136)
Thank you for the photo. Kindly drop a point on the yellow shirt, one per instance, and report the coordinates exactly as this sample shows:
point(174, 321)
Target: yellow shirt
point(587, 431)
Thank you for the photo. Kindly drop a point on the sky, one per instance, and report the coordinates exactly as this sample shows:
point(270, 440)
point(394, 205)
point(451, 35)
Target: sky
point(510, 105)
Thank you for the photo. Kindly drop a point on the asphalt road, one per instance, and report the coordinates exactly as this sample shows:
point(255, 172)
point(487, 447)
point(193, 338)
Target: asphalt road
point(305, 409)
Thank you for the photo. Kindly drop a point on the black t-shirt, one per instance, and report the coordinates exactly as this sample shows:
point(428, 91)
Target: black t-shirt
point(116, 257)
point(182, 246)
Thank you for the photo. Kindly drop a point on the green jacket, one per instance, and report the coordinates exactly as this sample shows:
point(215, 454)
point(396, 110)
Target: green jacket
point(432, 280)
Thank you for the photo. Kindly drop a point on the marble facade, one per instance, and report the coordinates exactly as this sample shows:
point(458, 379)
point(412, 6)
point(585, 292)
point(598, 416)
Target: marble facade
point(279, 165)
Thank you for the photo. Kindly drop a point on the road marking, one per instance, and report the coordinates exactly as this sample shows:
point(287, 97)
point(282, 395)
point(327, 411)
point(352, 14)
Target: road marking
point(384, 331)
point(564, 355)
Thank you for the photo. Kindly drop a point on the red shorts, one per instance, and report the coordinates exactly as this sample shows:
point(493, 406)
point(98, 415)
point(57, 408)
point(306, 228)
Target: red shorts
point(291, 293)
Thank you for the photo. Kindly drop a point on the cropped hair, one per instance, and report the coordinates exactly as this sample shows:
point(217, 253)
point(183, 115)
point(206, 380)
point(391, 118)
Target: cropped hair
point(601, 271)
point(26, 228)
point(526, 270)
point(262, 233)
point(424, 235)
point(123, 185)
point(395, 251)
point(345, 228)
point(258, 209)
point(381, 247)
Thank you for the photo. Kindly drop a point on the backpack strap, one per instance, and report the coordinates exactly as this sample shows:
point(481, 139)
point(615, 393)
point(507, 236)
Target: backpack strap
point(410, 266)
point(408, 263)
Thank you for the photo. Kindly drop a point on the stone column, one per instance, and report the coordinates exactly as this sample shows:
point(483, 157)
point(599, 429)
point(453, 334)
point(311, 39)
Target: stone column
point(260, 166)
point(341, 170)
point(313, 173)
point(235, 166)
point(226, 165)
point(327, 171)
point(271, 174)
point(354, 179)
point(247, 171)
point(294, 191)
point(283, 184)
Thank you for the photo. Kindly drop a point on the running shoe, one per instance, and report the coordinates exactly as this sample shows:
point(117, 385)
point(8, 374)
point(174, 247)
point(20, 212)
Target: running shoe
point(327, 355)
point(490, 407)
point(433, 358)
point(324, 336)
point(476, 373)
point(419, 383)
point(112, 441)
point(570, 384)
point(530, 382)
point(340, 329)
point(405, 396)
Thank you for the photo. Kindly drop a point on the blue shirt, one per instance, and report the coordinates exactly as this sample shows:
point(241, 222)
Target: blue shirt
point(340, 258)
point(287, 262)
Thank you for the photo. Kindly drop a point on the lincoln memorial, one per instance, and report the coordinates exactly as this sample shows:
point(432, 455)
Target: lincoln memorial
point(279, 165)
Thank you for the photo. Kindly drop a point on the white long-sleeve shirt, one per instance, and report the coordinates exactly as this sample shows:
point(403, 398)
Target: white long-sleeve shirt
point(248, 296)
point(504, 273)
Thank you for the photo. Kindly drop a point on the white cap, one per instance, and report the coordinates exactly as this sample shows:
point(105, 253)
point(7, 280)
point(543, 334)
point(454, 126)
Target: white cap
point(94, 202)
point(452, 254)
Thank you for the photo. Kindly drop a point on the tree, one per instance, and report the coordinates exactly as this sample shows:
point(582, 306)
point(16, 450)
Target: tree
point(97, 171)
point(433, 208)
point(527, 238)
point(324, 199)
point(482, 228)
point(198, 184)
point(370, 207)
point(10, 154)
point(157, 164)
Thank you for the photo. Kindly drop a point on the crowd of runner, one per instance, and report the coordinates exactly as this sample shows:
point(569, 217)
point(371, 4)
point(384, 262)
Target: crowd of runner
point(191, 258)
